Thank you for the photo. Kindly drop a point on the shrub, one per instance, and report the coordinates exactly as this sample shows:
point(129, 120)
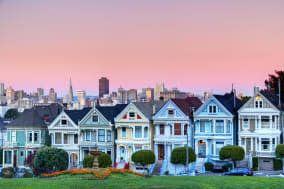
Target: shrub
point(277, 164)
point(279, 151)
point(104, 160)
point(49, 159)
point(254, 163)
point(208, 166)
point(143, 157)
point(178, 156)
point(234, 153)
point(88, 161)
point(8, 172)
point(228, 166)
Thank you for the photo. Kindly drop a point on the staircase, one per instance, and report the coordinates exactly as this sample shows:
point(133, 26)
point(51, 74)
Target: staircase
point(157, 168)
point(120, 165)
point(199, 164)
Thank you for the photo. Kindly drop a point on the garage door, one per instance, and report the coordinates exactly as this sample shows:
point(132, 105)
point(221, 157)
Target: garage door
point(266, 164)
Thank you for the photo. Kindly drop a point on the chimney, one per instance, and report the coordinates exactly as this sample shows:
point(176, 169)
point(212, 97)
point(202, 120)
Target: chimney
point(256, 90)
point(154, 108)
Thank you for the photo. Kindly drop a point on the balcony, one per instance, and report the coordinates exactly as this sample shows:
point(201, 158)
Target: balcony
point(265, 154)
point(10, 144)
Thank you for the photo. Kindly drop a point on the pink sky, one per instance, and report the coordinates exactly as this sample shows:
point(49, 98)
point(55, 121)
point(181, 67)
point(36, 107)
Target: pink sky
point(195, 46)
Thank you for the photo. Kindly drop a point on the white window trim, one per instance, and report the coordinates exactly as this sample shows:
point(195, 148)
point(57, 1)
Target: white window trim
point(245, 126)
point(93, 119)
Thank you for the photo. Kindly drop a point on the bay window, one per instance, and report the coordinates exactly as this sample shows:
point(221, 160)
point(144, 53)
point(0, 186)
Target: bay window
point(101, 135)
point(202, 126)
point(138, 132)
point(177, 128)
point(58, 139)
point(219, 126)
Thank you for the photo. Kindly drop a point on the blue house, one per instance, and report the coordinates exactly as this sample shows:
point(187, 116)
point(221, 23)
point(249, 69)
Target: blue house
point(215, 126)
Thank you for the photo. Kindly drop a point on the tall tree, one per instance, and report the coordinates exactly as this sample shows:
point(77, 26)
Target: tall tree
point(12, 114)
point(272, 82)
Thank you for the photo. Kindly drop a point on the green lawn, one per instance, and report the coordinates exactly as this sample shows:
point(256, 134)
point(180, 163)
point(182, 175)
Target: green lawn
point(130, 181)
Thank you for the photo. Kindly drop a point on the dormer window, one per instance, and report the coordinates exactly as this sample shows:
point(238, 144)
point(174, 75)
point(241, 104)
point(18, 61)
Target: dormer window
point(63, 122)
point(171, 112)
point(212, 109)
point(258, 102)
point(95, 118)
point(132, 115)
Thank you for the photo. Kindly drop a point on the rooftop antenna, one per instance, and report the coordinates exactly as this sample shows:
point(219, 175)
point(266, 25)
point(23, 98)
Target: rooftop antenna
point(279, 93)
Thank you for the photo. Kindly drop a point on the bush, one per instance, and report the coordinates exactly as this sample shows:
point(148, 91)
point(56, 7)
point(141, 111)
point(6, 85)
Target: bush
point(49, 159)
point(88, 161)
point(277, 164)
point(178, 156)
point(144, 157)
point(234, 153)
point(254, 163)
point(208, 166)
point(104, 160)
point(8, 172)
point(228, 167)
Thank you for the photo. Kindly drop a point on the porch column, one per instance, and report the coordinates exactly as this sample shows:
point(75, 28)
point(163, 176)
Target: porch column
point(143, 131)
point(165, 151)
point(182, 129)
point(270, 121)
point(245, 145)
point(259, 144)
point(214, 147)
point(105, 135)
point(252, 144)
point(156, 151)
point(12, 157)
point(173, 129)
point(214, 125)
point(270, 144)
point(3, 160)
point(259, 121)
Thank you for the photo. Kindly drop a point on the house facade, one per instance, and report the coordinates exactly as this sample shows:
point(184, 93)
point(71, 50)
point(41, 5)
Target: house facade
point(65, 134)
point(27, 133)
point(215, 126)
point(260, 128)
point(173, 128)
point(97, 131)
point(134, 131)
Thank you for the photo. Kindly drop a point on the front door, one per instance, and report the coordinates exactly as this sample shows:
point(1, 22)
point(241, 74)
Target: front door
point(201, 149)
point(15, 159)
point(161, 151)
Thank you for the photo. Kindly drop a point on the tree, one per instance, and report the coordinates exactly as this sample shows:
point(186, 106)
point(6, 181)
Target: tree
point(234, 153)
point(11, 114)
point(88, 161)
point(49, 159)
point(280, 154)
point(47, 139)
point(29, 161)
point(244, 99)
point(143, 157)
point(104, 160)
point(178, 156)
point(272, 83)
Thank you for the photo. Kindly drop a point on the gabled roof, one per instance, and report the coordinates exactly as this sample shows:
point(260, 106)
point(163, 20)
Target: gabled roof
point(77, 115)
point(227, 100)
point(272, 98)
point(188, 105)
point(35, 117)
point(110, 112)
point(147, 107)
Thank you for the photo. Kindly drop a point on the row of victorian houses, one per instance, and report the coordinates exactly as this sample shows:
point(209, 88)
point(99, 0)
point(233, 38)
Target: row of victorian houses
point(160, 126)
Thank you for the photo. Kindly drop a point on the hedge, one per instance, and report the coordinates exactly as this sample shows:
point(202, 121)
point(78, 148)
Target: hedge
point(104, 160)
point(254, 163)
point(208, 166)
point(277, 164)
point(178, 155)
point(88, 161)
point(8, 172)
point(144, 157)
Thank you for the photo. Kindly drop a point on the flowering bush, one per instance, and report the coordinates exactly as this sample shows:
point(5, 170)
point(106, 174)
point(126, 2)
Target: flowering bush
point(96, 174)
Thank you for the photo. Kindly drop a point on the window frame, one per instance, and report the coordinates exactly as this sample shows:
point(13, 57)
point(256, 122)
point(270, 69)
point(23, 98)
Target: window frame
point(136, 133)
point(108, 136)
point(123, 133)
point(177, 129)
point(101, 135)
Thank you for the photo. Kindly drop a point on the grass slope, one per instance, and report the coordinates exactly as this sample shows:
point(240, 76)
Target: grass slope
point(130, 181)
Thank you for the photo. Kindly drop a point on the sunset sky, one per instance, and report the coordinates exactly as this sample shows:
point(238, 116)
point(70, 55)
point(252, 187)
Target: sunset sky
point(196, 46)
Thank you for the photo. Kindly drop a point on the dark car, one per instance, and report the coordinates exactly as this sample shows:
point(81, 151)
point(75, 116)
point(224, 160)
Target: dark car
point(239, 172)
point(220, 166)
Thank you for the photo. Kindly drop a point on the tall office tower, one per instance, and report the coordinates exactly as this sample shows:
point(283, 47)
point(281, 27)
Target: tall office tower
point(70, 93)
point(149, 94)
point(52, 95)
point(131, 95)
point(103, 86)
point(10, 94)
point(2, 89)
point(159, 88)
point(19, 94)
point(122, 96)
point(40, 92)
point(81, 95)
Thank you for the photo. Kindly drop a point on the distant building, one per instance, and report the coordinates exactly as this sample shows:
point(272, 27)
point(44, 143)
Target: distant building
point(40, 92)
point(173, 94)
point(20, 94)
point(149, 94)
point(131, 95)
point(24, 103)
point(70, 93)
point(52, 95)
point(159, 88)
point(206, 96)
point(103, 86)
point(2, 89)
point(81, 95)
point(122, 96)
point(10, 95)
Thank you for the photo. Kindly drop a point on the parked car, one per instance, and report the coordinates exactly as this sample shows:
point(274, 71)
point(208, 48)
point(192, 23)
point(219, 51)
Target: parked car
point(239, 172)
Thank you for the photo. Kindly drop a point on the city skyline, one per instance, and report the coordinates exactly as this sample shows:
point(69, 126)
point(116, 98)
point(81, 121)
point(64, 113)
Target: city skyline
point(194, 46)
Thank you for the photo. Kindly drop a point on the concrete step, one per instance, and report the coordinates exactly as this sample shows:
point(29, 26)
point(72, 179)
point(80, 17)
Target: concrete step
point(157, 168)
